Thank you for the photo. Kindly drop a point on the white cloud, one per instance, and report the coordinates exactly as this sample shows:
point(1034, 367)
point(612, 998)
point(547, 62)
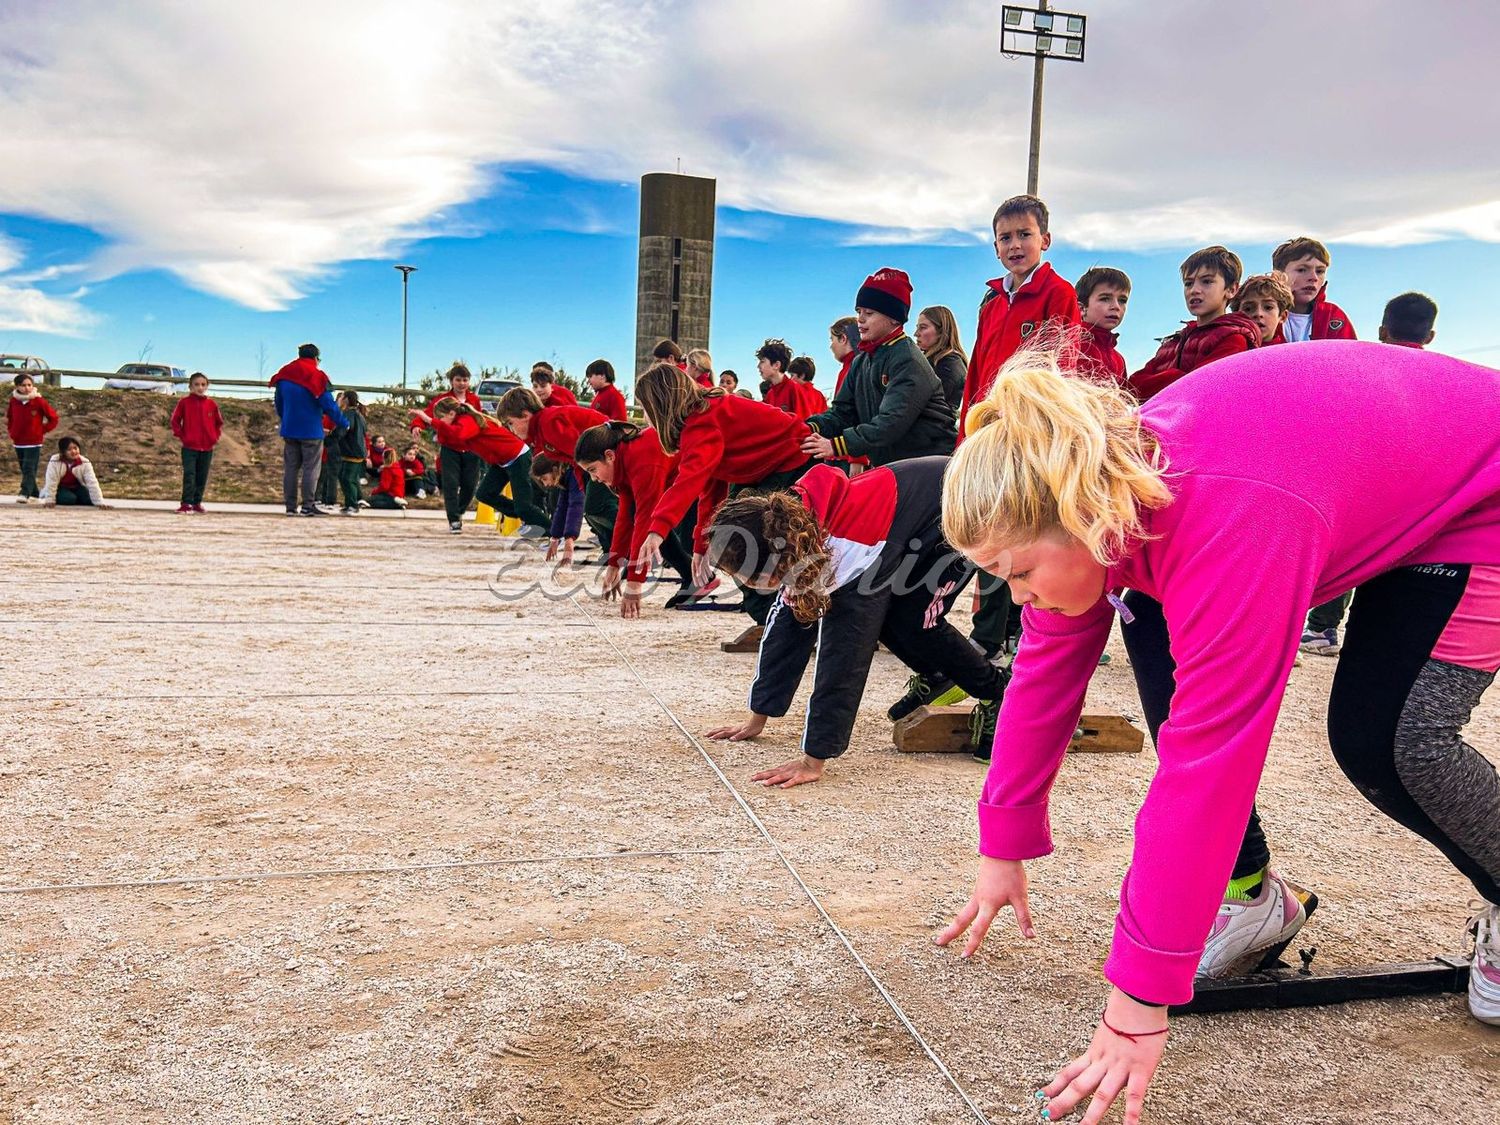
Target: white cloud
point(26, 309)
point(250, 149)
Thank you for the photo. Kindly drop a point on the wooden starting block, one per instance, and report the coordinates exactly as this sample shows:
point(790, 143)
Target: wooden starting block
point(945, 730)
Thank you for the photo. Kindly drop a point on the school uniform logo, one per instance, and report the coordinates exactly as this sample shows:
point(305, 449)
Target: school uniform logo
point(1335, 325)
point(1027, 328)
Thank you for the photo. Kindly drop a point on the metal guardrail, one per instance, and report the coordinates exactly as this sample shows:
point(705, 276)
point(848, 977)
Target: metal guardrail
point(54, 377)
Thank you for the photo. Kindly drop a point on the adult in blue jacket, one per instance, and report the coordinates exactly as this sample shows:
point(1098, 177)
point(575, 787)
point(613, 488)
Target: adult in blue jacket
point(302, 401)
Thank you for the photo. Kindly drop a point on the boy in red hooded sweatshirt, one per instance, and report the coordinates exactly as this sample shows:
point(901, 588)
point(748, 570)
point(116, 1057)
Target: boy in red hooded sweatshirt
point(1016, 304)
point(1313, 316)
point(196, 422)
point(1210, 279)
point(1103, 293)
point(29, 418)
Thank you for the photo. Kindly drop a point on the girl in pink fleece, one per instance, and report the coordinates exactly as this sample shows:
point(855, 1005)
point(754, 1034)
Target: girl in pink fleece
point(1210, 504)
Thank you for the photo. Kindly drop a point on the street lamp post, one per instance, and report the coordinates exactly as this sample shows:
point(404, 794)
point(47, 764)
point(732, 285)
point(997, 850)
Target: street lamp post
point(1043, 34)
point(406, 272)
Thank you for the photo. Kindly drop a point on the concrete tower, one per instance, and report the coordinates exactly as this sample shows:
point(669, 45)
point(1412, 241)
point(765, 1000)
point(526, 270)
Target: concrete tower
point(674, 286)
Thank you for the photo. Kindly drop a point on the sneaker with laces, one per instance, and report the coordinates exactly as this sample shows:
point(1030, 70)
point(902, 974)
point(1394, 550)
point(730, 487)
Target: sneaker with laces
point(982, 728)
point(935, 690)
point(1249, 934)
point(1325, 643)
point(1484, 971)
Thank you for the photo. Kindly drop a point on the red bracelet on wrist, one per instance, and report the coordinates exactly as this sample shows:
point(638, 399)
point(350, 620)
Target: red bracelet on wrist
point(1133, 1036)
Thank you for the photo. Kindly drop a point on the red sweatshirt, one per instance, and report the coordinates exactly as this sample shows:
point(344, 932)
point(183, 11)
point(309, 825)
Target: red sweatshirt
point(29, 420)
point(641, 471)
point(561, 396)
point(1191, 348)
point(1098, 357)
point(392, 481)
point(816, 402)
point(491, 442)
point(733, 441)
point(1329, 322)
point(554, 432)
point(197, 423)
point(1005, 321)
point(471, 398)
point(611, 403)
point(416, 467)
point(791, 395)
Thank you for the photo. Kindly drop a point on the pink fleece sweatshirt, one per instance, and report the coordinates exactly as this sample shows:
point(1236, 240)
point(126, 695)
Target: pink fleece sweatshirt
point(1263, 525)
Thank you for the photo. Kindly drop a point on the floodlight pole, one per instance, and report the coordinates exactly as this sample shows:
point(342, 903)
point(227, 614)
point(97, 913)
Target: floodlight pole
point(1035, 160)
point(406, 272)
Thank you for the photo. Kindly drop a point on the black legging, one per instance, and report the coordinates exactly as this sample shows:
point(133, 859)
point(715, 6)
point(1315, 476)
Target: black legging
point(1394, 717)
point(521, 504)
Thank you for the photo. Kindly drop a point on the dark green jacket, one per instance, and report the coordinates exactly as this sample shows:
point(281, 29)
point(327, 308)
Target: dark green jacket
point(890, 408)
point(349, 442)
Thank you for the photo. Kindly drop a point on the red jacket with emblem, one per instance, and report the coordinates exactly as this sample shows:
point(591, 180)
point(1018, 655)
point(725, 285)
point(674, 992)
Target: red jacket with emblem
point(1098, 357)
point(791, 395)
point(1191, 348)
point(642, 468)
point(611, 403)
point(196, 422)
point(1006, 320)
point(29, 420)
point(1329, 322)
point(733, 440)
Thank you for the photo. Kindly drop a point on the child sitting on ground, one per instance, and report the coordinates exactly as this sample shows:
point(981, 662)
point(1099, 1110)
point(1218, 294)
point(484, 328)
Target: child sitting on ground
point(1210, 279)
point(30, 418)
point(390, 489)
point(419, 482)
point(376, 460)
point(1265, 298)
point(70, 478)
point(1103, 293)
point(198, 425)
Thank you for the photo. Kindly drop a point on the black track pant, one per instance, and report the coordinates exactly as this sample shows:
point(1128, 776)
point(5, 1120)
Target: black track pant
point(1394, 717)
point(460, 479)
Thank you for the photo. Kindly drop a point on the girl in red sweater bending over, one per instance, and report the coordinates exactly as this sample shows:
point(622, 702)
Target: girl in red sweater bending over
point(553, 431)
point(630, 461)
point(459, 426)
point(725, 445)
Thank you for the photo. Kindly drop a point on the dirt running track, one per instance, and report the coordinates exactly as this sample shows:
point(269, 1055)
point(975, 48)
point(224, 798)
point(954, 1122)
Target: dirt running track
point(604, 936)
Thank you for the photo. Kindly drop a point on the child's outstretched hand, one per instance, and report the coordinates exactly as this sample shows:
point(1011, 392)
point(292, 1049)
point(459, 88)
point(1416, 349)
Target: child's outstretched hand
point(798, 771)
point(650, 555)
point(1124, 1054)
point(749, 728)
point(1000, 883)
point(611, 589)
point(703, 574)
point(567, 552)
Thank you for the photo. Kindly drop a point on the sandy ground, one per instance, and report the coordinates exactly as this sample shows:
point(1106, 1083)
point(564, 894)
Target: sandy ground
point(604, 935)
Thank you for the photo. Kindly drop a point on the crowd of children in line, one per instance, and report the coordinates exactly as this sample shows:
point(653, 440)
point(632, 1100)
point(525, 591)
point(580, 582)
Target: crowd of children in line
point(1071, 486)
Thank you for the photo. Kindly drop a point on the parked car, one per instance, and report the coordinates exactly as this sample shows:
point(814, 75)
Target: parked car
point(155, 377)
point(495, 388)
point(17, 363)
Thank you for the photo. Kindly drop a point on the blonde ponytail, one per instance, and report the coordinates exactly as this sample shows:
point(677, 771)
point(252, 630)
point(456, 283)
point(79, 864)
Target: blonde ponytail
point(1046, 451)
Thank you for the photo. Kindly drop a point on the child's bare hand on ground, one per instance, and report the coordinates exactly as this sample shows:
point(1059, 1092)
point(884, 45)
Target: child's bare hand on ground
point(742, 731)
point(798, 771)
point(612, 577)
point(1000, 883)
point(1121, 1059)
point(630, 601)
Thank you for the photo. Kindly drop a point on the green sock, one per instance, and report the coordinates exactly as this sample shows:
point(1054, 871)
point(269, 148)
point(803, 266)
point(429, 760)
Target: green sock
point(1246, 887)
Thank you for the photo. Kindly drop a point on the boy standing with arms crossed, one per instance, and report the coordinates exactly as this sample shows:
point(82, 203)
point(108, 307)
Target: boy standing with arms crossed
point(1210, 279)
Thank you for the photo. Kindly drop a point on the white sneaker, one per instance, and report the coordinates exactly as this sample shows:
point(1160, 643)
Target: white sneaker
point(1248, 933)
point(400, 501)
point(421, 494)
point(1484, 973)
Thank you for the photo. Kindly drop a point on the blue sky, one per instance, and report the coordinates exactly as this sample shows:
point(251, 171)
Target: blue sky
point(219, 208)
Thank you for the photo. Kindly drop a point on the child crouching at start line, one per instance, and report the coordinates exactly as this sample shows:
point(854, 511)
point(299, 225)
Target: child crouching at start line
point(856, 562)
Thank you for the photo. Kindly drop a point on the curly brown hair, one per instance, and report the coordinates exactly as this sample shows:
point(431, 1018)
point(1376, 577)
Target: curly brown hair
point(668, 395)
point(774, 538)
